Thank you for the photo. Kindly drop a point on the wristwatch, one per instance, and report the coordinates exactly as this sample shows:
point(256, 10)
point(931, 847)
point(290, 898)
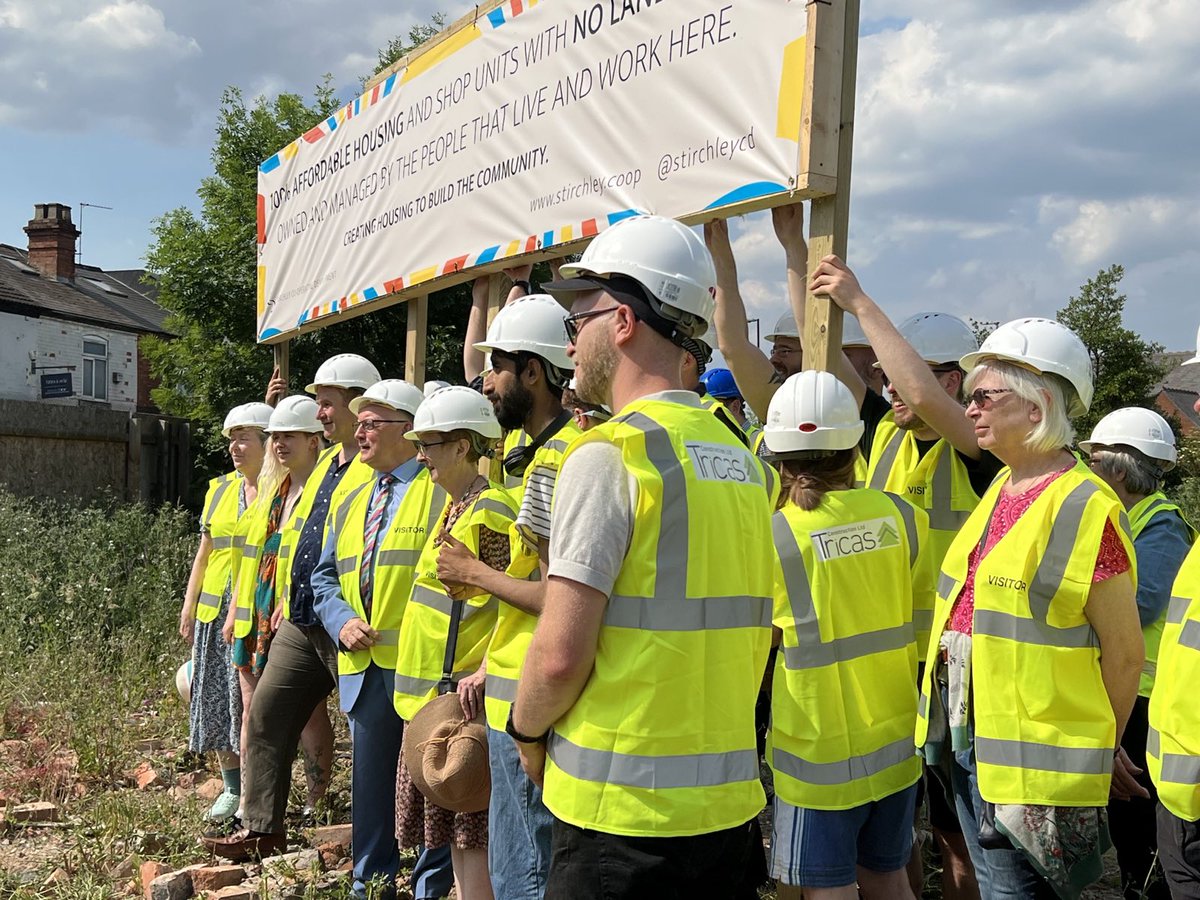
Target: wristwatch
point(512, 732)
point(523, 285)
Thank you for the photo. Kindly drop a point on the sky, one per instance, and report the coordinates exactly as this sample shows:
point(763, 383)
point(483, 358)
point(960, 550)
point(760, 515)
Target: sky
point(1004, 152)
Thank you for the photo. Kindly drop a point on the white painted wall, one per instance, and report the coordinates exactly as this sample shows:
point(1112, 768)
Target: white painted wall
point(60, 343)
point(18, 340)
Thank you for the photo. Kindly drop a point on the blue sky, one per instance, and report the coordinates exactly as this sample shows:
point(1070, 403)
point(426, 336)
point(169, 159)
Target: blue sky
point(1004, 152)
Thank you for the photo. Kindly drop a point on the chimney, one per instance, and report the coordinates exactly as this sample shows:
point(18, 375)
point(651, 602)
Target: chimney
point(52, 241)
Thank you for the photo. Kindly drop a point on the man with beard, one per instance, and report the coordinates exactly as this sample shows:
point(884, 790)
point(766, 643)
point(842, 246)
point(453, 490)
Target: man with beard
point(922, 446)
point(648, 655)
point(527, 342)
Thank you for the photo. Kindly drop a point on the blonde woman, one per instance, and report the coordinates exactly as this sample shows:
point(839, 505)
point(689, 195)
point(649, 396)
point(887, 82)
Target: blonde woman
point(215, 712)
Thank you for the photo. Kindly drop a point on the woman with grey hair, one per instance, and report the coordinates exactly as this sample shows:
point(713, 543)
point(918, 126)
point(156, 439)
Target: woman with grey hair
point(1132, 449)
point(1033, 661)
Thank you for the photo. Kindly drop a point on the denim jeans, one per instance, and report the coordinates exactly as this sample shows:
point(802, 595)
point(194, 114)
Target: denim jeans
point(1001, 873)
point(519, 826)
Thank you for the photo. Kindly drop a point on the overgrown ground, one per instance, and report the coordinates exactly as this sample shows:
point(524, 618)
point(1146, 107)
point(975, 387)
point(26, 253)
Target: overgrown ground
point(89, 602)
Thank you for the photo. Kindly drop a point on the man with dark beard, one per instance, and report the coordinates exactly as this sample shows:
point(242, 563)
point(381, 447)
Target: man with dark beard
point(529, 369)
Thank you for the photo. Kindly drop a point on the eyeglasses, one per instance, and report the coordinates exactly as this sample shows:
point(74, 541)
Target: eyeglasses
point(780, 350)
point(422, 446)
point(982, 397)
point(372, 425)
point(572, 322)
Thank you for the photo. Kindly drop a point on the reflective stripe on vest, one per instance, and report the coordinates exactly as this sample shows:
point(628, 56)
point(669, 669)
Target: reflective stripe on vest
point(846, 771)
point(636, 728)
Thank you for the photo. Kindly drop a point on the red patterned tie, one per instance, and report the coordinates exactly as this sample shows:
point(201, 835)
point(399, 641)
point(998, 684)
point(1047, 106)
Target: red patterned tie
point(371, 540)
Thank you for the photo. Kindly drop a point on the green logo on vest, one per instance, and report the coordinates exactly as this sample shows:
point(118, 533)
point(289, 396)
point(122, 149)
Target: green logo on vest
point(887, 535)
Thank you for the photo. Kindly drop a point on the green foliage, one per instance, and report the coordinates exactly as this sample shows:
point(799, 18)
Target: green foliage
point(982, 327)
point(399, 47)
point(1122, 362)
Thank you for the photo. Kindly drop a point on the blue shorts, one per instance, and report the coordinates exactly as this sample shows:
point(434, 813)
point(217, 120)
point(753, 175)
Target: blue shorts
point(825, 847)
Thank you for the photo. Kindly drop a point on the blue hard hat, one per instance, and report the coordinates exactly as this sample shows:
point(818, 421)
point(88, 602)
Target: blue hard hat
point(720, 384)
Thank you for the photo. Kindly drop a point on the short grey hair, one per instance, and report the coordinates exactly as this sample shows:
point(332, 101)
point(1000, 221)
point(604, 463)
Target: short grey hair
point(1142, 475)
point(1045, 390)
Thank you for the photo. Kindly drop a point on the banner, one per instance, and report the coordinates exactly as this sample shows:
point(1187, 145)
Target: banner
point(535, 126)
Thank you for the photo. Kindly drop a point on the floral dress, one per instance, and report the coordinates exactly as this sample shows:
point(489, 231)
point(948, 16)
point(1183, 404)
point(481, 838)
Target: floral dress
point(250, 652)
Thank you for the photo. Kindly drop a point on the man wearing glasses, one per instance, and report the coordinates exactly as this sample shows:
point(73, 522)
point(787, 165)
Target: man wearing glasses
point(922, 446)
point(361, 584)
point(650, 648)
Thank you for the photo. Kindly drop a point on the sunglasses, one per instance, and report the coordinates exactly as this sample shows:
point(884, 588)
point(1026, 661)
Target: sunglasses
point(982, 397)
point(572, 322)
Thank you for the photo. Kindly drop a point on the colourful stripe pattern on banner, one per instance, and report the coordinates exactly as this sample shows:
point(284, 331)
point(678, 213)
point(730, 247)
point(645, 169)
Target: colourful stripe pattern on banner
point(514, 247)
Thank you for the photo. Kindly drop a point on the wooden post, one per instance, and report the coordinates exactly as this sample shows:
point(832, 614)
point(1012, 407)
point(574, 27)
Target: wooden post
point(495, 297)
point(282, 356)
point(414, 349)
point(836, 32)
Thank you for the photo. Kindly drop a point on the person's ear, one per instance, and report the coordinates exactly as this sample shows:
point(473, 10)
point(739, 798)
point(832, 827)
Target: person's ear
point(625, 323)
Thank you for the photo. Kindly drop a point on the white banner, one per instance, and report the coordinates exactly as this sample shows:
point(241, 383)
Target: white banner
point(536, 126)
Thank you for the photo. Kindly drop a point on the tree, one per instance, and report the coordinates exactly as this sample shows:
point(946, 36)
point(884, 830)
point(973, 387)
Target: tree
point(1123, 364)
point(400, 47)
point(204, 266)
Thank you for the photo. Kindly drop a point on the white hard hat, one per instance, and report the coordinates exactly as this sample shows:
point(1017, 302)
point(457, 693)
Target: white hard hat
point(1137, 427)
point(453, 408)
point(530, 324)
point(394, 393)
point(247, 415)
point(431, 386)
point(295, 413)
point(1045, 346)
point(183, 680)
point(852, 333)
point(812, 411)
point(666, 257)
point(709, 338)
point(346, 370)
point(938, 337)
point(785, 327)
point(1195, 359)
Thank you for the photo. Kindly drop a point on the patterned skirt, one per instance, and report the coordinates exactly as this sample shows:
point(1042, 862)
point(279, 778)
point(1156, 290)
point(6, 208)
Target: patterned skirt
point(215, 715)
point(420, 822)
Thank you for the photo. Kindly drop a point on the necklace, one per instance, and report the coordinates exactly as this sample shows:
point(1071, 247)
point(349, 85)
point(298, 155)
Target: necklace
point(456, 509)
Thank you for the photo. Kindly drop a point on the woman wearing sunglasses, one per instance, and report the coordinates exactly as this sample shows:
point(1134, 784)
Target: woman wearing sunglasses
point(1033, 661)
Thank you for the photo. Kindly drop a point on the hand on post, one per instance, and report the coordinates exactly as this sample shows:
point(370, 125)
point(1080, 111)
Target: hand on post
point(276, 388)
point(716, 238)
point(789, 228)
point(832, 278)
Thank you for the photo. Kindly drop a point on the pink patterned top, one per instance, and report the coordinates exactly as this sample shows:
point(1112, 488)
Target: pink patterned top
point(1110, 560)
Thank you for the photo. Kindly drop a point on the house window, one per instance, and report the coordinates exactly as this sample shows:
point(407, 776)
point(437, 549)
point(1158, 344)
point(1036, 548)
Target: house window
point(95, 368)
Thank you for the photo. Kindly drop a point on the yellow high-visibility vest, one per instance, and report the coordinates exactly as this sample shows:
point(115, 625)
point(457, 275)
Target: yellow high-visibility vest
point(1140, 514)
point(220, 519)
point(426, 625)
point(1173, 743)
point(356, 475)
point(255, 530)
point(844, 701)
point(721, 411)
point(661, 740)
point(937, 482)
point(514, 627)
point(396, 558)
point(1044, 728)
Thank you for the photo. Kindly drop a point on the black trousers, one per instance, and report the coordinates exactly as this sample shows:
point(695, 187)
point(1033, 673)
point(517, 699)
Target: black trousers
point(593, 865)
point(1132, 822)
point(1179, 851)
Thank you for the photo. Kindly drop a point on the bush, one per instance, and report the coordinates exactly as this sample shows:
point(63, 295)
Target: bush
point(89, 601)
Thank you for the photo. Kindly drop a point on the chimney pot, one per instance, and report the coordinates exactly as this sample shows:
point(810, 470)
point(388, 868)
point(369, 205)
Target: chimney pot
point(52, 239)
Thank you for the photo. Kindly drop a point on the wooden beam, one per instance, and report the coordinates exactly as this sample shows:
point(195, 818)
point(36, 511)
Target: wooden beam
point(496, 297)
point(834, 27)
point(282, 358)
point(414, 348)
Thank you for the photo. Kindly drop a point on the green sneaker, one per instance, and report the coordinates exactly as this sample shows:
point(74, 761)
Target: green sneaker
point(225, 807)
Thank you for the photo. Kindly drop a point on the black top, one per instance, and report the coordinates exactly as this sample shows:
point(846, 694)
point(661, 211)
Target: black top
point(308, 548)
point(981, 472)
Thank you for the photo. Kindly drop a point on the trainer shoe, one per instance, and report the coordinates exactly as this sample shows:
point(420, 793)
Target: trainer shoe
point(225, 806)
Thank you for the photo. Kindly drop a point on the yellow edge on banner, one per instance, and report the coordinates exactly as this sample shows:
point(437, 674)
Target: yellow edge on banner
point(262, 290)
point(423, 275)
point(791, 90)
point(445, 49)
